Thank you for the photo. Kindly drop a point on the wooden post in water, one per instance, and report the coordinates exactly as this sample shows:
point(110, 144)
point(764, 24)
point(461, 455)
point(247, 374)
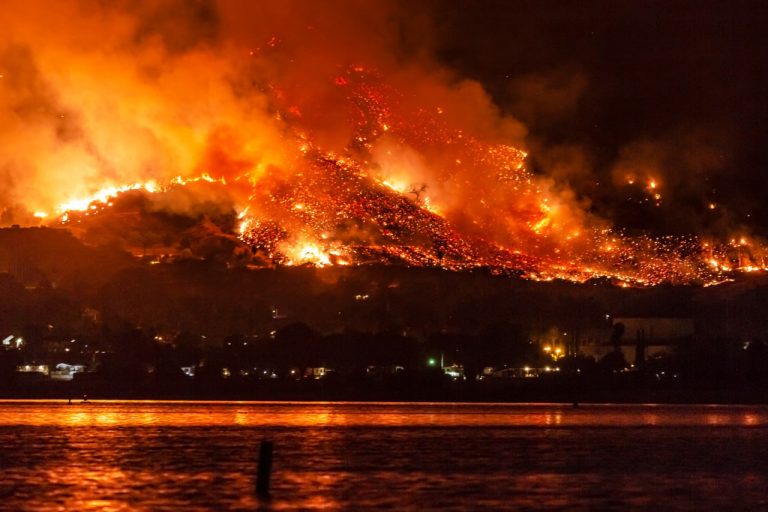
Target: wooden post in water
point(264, 469)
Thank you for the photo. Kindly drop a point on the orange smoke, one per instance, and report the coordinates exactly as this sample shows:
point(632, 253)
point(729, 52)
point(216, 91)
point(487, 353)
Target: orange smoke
point(334, 134)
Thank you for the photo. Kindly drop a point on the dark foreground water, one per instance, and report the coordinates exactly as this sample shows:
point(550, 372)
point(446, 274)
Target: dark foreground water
point(153, 456)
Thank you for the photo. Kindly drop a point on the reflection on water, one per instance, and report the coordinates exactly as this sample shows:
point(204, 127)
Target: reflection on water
point(353, 414)
point(117, 456)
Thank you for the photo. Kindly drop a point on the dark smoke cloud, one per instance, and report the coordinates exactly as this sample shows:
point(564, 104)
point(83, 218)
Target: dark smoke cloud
point(673, 88)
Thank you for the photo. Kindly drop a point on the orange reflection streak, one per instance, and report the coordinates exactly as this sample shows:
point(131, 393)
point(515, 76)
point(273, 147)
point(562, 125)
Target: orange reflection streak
point(321, 490)
point(80, 482)
point(321, 414)
point(651, 419)
point(714, 419)
point(751, 419)
point(553, 419)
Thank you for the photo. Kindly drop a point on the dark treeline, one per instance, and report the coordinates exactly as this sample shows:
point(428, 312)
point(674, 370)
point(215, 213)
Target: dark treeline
point(130, 362)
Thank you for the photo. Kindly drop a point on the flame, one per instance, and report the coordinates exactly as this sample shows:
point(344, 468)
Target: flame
point(399, 187)
point(539, 226)
point(103, 196)
point(307, 253)
point(329, 150)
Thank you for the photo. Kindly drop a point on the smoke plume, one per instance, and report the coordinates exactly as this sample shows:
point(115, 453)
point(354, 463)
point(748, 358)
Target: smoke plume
point(328, 123)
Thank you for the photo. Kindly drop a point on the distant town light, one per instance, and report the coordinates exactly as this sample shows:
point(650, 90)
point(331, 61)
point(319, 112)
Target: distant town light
point(431, 361)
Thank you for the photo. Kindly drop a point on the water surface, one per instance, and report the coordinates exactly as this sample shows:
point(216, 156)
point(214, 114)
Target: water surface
point(372, 456)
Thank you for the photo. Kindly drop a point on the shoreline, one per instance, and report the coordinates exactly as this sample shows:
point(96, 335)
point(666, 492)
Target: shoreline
point(709, 398)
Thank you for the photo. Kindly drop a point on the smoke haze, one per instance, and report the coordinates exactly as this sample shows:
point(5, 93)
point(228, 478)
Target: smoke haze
point(264, 96)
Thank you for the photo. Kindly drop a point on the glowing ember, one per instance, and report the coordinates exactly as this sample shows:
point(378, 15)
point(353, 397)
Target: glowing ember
point(345, 167)
point(307, 253)
point(332, 209)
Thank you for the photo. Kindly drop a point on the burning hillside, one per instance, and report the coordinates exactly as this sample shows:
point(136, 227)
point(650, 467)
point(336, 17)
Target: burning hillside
point(291, 145)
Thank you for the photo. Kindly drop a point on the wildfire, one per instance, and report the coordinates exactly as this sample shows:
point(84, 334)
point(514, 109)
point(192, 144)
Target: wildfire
point(414, 187)
point(103, 196)
point(311, 253)
point(307, 253)
point(396, 186)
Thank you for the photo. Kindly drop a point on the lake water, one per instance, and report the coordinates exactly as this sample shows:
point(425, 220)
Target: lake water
point(154, 456)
